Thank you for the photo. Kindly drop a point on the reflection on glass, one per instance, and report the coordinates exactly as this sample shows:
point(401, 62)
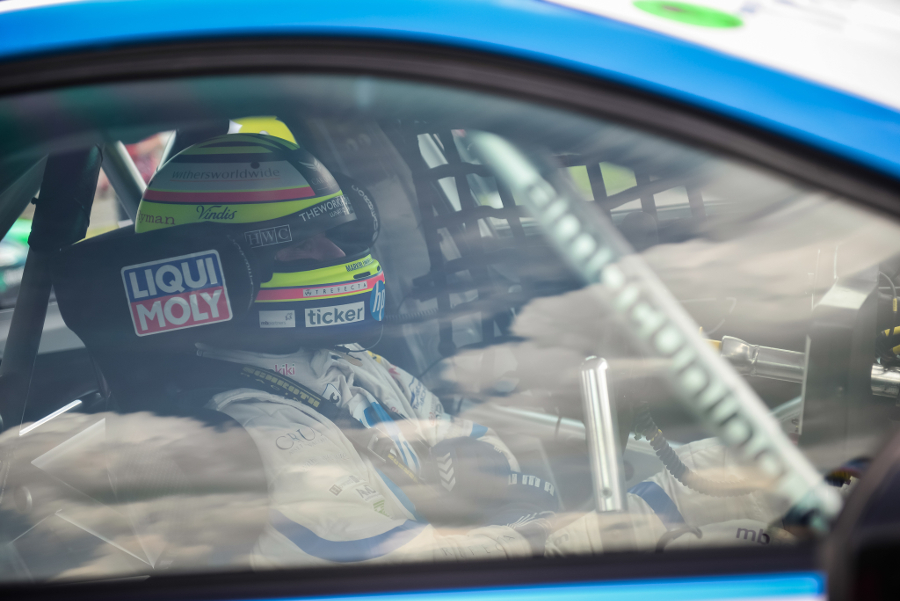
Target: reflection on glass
point(338, 333)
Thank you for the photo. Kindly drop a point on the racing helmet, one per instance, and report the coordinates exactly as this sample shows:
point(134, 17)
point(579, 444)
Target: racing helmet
point(271, 195)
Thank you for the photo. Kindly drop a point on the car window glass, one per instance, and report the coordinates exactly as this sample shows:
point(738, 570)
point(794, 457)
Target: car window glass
point(350, 325)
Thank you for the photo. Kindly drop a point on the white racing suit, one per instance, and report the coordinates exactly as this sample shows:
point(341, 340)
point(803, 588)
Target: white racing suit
point(329, 503)
point(661, 513)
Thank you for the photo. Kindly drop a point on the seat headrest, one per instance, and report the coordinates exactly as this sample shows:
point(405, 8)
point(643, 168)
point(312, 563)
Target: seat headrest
point(157, 292)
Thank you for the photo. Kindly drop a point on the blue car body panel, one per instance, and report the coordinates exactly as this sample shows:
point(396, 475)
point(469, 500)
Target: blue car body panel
point(799, 586)
point(831, 120)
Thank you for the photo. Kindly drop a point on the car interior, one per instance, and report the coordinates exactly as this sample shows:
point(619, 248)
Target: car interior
point(791, 286)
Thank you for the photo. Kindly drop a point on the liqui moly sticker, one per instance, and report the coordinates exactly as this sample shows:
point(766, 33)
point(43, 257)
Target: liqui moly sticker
point(177, 293)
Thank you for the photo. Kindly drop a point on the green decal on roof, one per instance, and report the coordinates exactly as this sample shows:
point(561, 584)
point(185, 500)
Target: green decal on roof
point(692, 14)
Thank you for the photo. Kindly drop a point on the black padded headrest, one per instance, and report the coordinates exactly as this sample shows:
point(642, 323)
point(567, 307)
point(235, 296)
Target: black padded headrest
point(156, 292)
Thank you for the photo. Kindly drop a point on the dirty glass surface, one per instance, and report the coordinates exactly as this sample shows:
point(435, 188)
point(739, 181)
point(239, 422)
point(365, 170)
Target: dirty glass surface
point(483, 329)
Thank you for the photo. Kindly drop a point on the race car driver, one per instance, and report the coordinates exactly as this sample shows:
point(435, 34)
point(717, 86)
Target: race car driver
point(361, 459)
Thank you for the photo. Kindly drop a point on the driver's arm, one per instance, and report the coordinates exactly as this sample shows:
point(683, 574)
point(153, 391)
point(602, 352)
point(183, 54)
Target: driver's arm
point(663, 510)
point(473, 463)
point(434, 423)
point(330, 505)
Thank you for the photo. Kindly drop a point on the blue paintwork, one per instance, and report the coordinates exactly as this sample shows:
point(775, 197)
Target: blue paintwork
point(806, 586)
point(840, 123)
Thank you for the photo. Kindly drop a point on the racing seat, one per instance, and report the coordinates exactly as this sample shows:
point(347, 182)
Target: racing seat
point(141, 303)
point(109, 291)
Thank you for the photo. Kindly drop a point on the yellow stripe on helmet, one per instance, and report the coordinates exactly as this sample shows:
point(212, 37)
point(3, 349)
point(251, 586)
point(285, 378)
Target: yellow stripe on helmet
point(158, 215)
point(344, 272)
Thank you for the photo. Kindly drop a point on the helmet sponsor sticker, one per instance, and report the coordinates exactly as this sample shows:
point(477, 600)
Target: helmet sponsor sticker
point(314, 292)
point(298, 293)
point(376, 303)
point(331, 207)
point(177, 293)
point(215, 213)
point(208, 208)
point(371, 206)
point(277, 319)
point(359, 264)
point(203, 173)
point(155, 219)
point(335, 315)
point(269, 236)
point(186, 175)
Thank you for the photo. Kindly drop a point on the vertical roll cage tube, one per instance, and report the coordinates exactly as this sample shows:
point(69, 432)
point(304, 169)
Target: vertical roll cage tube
point(124, 176)
point(704, 383)
point(61, 218)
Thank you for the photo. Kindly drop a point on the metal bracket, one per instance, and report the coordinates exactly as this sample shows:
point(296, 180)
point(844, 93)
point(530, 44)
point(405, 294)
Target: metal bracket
point(601, 428)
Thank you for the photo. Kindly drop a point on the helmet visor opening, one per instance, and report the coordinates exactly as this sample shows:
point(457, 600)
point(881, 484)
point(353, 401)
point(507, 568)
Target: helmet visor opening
point(315, 248)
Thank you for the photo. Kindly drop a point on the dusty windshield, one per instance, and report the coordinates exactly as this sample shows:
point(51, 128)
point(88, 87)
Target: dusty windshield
point(304, 321)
